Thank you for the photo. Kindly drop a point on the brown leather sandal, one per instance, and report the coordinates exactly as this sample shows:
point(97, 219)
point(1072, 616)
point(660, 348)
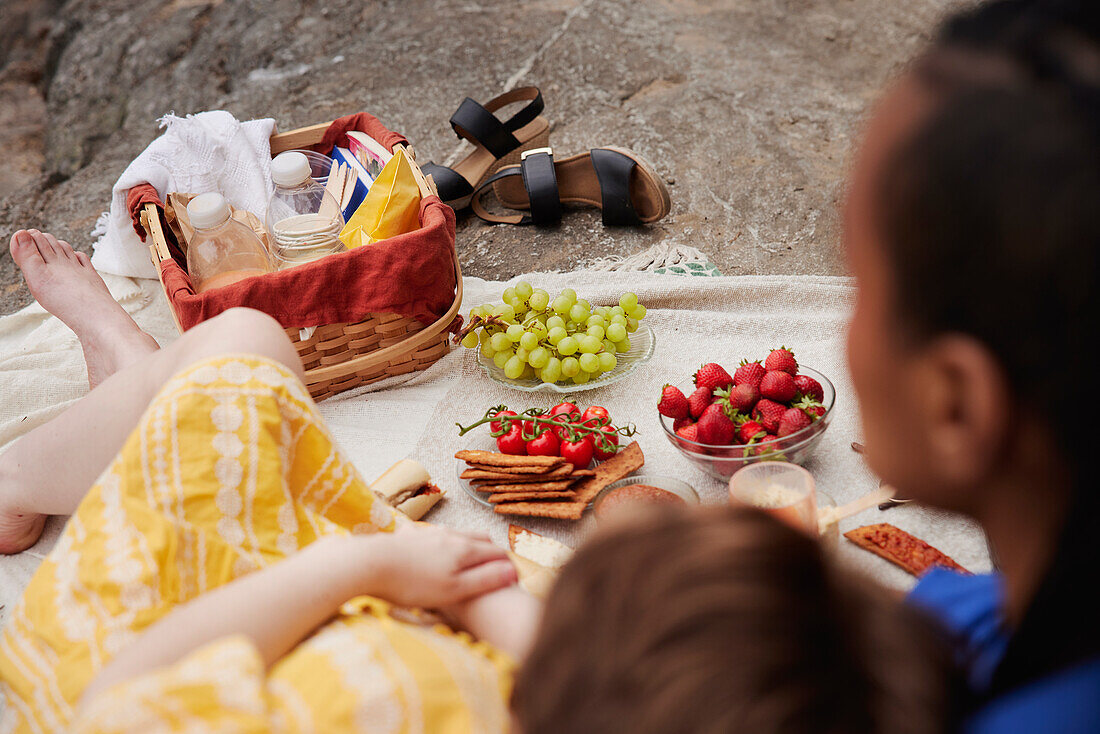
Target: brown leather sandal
point(495, 143)
point(618, 181)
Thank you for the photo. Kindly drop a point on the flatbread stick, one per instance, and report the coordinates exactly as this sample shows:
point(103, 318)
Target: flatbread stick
point(901, 548)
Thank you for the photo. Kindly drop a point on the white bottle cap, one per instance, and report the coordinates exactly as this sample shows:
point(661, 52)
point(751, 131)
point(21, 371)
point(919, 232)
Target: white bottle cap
point(208, 210)
point(289, 169)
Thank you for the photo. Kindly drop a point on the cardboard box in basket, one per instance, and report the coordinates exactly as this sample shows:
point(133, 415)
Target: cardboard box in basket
point(380, 310)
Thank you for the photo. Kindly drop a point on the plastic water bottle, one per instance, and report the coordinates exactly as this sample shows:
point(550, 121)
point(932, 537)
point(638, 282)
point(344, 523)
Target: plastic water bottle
point(223, 250)
point(303, 219)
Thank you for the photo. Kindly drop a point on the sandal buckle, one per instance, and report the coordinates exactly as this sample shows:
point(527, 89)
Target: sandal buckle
point(548, 151)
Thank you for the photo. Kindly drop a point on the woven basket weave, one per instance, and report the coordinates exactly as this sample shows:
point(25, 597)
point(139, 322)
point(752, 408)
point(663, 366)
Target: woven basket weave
point(339, 357)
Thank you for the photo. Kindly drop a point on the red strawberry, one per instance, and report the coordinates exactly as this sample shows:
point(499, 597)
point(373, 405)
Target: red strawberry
point(810, 407)
point(749, 431)
point(681, 422)
point(778, 386)
point(749, 373)
point(767, 413)
point(712, 375)
point(744, 397)
point(690, 432)
point(672, 403)
point(808, 387)
point(715, 427)
point(793, 420)
point(781, 360)
point(769, 437)
point(699, 400)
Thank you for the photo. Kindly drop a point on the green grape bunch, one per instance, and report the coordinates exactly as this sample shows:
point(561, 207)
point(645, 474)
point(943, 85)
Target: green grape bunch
point(562, 339)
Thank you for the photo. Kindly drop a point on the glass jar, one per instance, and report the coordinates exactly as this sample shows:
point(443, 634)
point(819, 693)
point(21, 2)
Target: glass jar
point(303, 219)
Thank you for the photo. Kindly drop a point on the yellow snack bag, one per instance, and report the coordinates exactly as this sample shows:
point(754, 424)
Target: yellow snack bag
point(391, 207)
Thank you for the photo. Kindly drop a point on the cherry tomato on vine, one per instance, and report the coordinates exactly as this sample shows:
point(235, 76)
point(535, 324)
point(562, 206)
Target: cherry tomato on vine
point(599, 413)
point(545, 445)
point(561, 432)
point(578, 453)
point(611, 436)
point(566, 408)
point(512, 442)
point(494, 426)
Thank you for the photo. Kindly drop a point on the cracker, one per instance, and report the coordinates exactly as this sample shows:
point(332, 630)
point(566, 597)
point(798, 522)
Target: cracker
point(513, 469)
point(494, 459)
point(621, 465)
point(522, 496)
point(504, 477)
point(507, 476)
point(552, 510)
point(529, 487)
point(901, 548)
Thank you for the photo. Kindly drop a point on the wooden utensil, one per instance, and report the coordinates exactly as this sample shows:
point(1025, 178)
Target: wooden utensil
point(827, 515)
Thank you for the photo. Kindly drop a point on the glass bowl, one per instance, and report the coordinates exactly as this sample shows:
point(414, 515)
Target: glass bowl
point(678, 487)
point(642, 344)
point(721, 462)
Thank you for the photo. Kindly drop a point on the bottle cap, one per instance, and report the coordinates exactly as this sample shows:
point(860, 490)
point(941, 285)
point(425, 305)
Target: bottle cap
point(289, 169)
point(208, 210)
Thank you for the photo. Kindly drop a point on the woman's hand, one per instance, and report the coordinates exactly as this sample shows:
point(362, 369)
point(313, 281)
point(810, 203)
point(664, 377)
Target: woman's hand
point(428, 566)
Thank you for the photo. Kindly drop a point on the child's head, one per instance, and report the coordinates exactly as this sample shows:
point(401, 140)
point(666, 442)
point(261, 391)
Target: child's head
point(973, 227)
point(722, 620)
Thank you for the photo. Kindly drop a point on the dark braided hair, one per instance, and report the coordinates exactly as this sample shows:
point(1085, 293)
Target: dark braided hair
point(990, 214)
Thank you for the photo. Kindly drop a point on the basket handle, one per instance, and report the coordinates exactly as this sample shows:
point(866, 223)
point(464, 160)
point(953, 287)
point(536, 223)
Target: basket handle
point(412, 343)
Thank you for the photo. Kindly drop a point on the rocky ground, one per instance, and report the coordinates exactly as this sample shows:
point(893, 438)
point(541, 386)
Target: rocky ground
point(747, 107)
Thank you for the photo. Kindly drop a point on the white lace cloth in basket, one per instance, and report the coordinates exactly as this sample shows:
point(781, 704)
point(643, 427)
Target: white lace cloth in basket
point(209, 151)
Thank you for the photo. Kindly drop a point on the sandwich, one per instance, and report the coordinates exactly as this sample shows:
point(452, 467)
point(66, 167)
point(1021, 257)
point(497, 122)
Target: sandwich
point(407, 486)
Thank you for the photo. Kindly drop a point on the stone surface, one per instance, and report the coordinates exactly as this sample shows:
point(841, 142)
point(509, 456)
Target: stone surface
point(747, 107)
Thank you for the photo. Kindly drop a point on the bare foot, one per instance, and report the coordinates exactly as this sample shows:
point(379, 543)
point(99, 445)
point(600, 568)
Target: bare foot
point(67, 286)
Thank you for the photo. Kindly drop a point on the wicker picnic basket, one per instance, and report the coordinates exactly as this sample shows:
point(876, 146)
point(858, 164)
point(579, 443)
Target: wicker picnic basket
point(339, 357)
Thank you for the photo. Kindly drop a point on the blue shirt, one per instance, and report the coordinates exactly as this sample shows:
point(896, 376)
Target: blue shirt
point(1067, 702)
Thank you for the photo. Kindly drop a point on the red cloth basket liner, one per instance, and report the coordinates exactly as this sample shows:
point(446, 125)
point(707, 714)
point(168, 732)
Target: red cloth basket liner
point(412, 275)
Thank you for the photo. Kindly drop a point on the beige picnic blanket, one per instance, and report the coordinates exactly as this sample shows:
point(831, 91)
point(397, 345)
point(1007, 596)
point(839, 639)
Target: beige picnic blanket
point(695, 319)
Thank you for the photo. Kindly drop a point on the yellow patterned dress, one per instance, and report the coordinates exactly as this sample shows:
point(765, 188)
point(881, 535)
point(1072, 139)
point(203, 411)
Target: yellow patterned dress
point(230, 469)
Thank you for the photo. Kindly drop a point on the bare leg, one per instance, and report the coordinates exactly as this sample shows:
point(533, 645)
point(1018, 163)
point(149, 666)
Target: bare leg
point(67, 286)
point(49, 470)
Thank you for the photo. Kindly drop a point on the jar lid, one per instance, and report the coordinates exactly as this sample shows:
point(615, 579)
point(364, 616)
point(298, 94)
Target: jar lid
point(208, 210)
point(289, 169)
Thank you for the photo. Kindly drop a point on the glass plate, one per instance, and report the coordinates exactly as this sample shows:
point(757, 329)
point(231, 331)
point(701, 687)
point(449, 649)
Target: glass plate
point(642, 344)
point(486, 443)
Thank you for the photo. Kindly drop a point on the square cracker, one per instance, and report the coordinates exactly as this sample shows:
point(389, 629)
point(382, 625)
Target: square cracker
point(553, 510)
point(496, 499)
point(528, 487)
point(506, 473)
point(518, 469)
point(496, 459)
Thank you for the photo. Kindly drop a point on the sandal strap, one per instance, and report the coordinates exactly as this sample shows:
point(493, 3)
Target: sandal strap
point(479, 125)
point(613, 170)
point(541, 182)
point(448, 183)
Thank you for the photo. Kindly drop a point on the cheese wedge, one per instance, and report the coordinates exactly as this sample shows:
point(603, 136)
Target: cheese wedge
point(541, 549)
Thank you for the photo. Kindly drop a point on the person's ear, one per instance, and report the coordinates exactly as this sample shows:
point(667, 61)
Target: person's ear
point(966, 408)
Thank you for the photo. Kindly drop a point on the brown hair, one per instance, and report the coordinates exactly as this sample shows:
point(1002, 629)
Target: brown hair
point(723, 620)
